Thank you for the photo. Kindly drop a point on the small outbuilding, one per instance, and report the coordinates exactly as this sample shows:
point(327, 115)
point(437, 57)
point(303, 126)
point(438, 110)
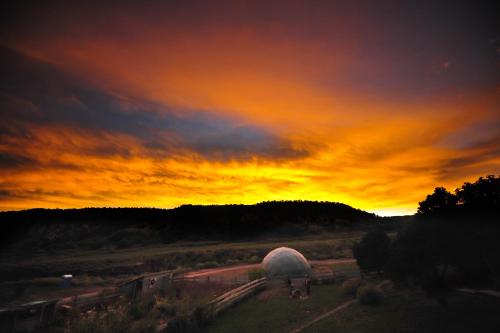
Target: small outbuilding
point(285, 262)
point(147, 284)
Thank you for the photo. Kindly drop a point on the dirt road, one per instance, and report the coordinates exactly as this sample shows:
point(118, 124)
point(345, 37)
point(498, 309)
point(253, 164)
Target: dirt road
point(241, 270)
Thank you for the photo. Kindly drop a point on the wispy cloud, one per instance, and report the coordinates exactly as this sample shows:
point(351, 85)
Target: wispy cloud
point(36, 95)
point(166, 103)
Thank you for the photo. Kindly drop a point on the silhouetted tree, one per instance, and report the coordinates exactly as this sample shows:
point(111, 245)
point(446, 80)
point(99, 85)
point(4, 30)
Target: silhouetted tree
point(439, 202)
point(481, 197)
point(458, 230)
point(372, 251)
point(417, 258)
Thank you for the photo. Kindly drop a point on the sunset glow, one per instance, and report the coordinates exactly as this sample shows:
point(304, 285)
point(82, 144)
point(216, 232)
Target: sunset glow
point(160, 104)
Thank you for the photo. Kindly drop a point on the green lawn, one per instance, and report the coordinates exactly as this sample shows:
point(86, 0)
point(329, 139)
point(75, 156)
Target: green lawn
point(406, 312)
point(273, 311)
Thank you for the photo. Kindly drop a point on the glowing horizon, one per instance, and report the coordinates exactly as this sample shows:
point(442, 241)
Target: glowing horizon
point(160, 105)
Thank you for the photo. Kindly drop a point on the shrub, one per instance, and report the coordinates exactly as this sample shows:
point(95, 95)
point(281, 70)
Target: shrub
point(116, 321)
point(222, 255)
point(166, 309)
point(232, 261)
point(372, 251)
point(200, 318)
point(139, 309)
point(255, 273)
point(208, 264)
point(147, 325)
point(369, 295)
point(350, 286)
point(254, 259)
point(182, 324)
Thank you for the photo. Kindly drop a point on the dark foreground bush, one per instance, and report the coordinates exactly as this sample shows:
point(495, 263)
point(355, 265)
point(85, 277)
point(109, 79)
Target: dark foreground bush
point(182, 324)
point(369, 295)
point(350, 286)
point(194, 323)
point(166, 309)
point(372, 251)
point(140, 309)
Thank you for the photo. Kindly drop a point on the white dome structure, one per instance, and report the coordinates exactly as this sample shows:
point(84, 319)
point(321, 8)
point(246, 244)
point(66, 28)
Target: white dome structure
point(285, 262)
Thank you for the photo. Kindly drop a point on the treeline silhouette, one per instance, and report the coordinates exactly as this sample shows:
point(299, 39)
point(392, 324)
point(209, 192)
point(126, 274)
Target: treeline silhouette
point(125, 227)
point(453, 241)
point(477, 202)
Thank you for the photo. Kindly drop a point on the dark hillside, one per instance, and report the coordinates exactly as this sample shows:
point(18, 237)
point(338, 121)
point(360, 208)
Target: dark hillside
point(53, 229)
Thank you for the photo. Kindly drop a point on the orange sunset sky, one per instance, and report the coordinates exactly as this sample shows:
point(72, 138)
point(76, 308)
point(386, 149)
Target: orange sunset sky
point(163, 103)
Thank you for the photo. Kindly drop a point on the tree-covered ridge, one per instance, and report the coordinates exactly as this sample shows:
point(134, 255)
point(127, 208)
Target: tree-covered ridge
point(138, 226)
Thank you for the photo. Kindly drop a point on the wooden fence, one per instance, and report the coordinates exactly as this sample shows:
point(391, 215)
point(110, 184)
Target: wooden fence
point(235, 295)
point(89, 300)
point(228, 299)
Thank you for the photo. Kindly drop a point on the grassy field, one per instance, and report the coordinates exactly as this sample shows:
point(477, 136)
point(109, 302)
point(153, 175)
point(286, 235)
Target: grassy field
point(277, 313)
point(408, 312)
point(345, 267)
point(184, 247)
point(26, 279)
point(168, 256)
point(401, 311)
point(273, 311)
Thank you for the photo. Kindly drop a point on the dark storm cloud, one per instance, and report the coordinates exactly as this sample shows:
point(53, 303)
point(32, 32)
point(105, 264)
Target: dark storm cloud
point(479, 152)
point(5, 194)
point(41, 194)
point(33, 93)
point(12, 161)
point(405, 49)
point(470, 157)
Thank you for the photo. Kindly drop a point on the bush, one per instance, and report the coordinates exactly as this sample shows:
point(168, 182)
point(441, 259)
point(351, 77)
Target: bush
point(139, 309)
point(350, 286)
point(207, 264)
point(182, 324)
point(116, 321)
point(200, 318)
point(166, 309)
point(147, 325)
point(372, 252)
point(254, 259)
point(369, 295)
point(255, 273)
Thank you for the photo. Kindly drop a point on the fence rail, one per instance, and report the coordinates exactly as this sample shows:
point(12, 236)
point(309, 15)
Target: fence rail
point(235, 295)
point(228, 299)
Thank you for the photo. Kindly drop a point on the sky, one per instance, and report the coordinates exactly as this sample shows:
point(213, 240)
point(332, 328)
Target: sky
point(164, 103)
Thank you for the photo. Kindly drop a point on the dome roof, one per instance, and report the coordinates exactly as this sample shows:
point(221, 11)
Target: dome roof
point(284, 261)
